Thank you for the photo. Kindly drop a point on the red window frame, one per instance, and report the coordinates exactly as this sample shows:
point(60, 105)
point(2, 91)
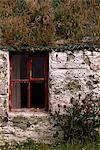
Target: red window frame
point(30, 78)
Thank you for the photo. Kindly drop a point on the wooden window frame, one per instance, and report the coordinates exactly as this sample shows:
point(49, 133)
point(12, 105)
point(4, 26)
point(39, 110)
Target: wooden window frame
point(45, 56)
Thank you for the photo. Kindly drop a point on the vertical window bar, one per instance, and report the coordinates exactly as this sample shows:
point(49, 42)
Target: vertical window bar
point(11, 85)
point(29, 78)
point(29, 96)
point(46, 81)
point(30, 67)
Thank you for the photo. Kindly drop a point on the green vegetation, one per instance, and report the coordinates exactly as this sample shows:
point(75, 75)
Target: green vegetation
point(81, 120)
point(28, 22)
point(68, 146)
point(79, 125)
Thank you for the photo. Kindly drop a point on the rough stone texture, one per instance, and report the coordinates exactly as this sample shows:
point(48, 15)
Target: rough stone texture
point(19, 126)
point(22, 126)
point(72, 74)
point(4, 83)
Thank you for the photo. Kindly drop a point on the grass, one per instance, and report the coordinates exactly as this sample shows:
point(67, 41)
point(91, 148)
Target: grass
point(29, 145)
point(41, 23)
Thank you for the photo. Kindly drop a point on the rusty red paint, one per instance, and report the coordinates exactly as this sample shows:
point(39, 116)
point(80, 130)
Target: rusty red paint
point(30, 79)
point(29, 96)
point(37, 79)
point(10, 96)
point(20, 81)
point(46, 83)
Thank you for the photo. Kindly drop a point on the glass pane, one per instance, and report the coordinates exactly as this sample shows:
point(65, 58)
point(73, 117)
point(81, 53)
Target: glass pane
point(37, 67)
point(19, 66)
point(37, 97)
point(20, 95)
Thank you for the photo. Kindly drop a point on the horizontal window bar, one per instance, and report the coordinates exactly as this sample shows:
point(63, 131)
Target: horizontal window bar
point(29, 80)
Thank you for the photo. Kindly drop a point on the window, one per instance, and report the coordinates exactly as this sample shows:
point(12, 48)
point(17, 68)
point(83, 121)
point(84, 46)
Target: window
point(28, 81)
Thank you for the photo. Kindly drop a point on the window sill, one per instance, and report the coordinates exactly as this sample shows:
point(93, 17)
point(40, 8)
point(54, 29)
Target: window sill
point(28, 112)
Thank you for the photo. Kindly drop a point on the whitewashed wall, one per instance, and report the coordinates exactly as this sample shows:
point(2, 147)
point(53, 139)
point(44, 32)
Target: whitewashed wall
point(4, 83)
point(72, 75)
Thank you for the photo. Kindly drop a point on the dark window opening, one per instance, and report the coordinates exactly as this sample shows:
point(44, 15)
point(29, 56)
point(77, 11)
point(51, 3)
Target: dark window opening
point(37, 95)
point(28, 81)
point(24, 95)
point(37, 67)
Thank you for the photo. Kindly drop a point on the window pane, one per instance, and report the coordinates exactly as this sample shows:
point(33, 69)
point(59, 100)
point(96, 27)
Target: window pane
point(37, 67)
point(19, 95)
point(37, 99)
point(19, 64)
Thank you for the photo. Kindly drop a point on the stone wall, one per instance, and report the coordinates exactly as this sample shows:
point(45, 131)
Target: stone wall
point(72, 75)
point(24, 126)
point(4, 83)
point(20, 126)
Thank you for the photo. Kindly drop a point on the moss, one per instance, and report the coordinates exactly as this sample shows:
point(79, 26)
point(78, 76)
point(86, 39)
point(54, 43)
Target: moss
point(95, 81)
point(74, 85)
point(91, 77)
point(50, 48)
point(90, 85)
point(57, 91)
point(20, 122)
point(87, 60)
point(70, 57)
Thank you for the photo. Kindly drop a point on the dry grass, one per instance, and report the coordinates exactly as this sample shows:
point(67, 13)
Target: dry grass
point(79, 19)
point(28, 26)
point(38, 22)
